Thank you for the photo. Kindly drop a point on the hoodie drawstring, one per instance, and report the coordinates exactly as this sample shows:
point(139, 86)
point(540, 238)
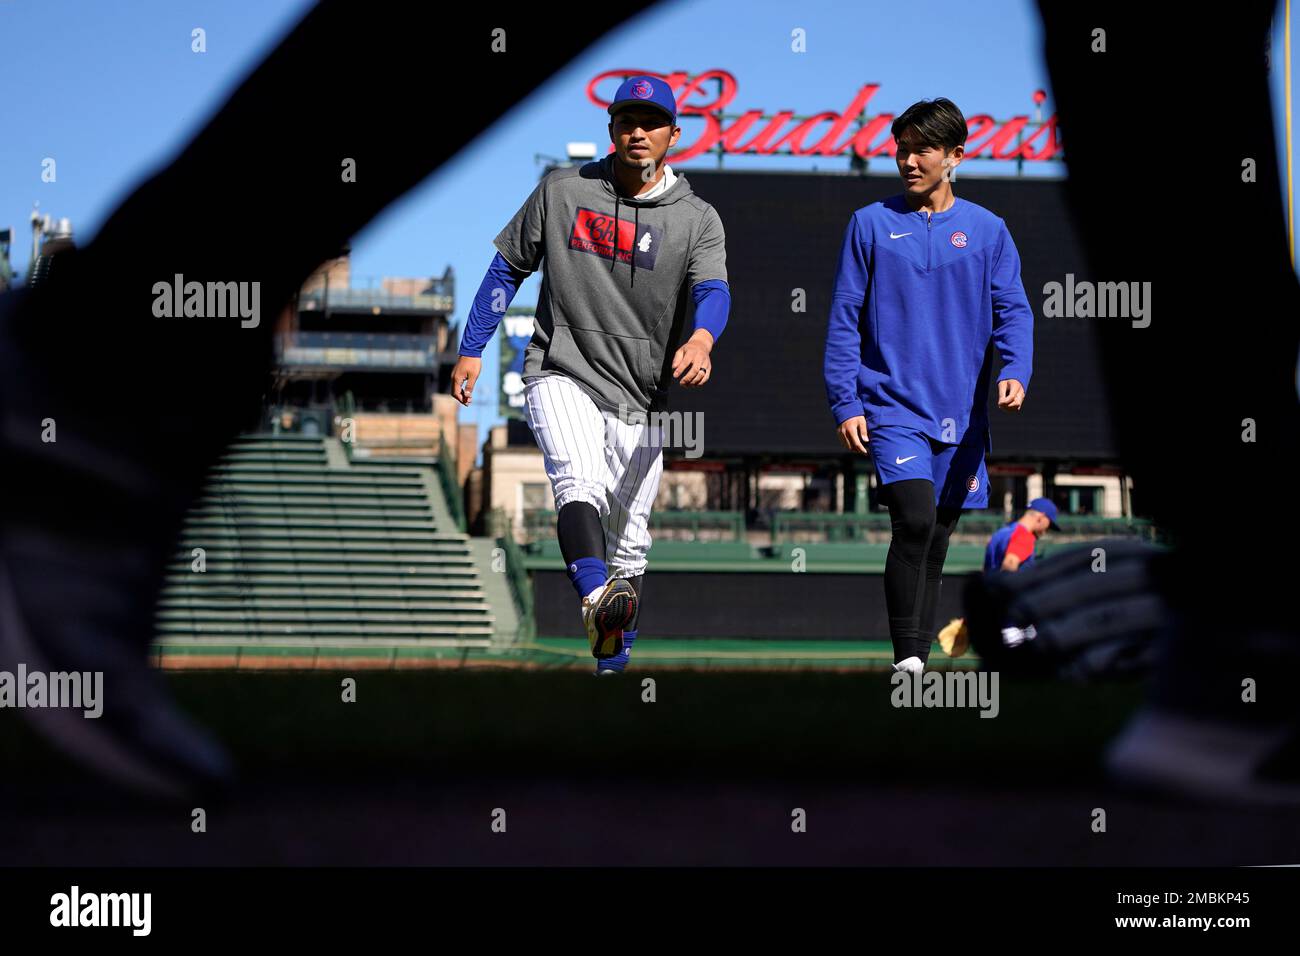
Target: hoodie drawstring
point(614, 258)
point(636, 231)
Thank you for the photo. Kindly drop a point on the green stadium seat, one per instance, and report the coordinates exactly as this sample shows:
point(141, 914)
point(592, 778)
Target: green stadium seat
point(295, 550)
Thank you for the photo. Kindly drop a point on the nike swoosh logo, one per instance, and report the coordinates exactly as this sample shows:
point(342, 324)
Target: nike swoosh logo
point(899, 461)
point(899, 236)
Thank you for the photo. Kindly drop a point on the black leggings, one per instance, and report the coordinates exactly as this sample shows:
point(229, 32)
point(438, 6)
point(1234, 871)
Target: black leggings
point(582, 535)
point(580, 532)
point(915, 563)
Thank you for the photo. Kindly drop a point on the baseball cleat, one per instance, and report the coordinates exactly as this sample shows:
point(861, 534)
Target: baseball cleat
point(605, 612)
point(954, 638)
point(912, 665)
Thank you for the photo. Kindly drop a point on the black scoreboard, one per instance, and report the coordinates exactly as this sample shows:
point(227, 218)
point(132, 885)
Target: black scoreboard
point(784, 230)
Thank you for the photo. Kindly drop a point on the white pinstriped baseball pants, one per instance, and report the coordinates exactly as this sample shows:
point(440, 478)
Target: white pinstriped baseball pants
point(592, 456)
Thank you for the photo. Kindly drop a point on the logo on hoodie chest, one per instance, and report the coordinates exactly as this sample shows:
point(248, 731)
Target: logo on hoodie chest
point(595, 233)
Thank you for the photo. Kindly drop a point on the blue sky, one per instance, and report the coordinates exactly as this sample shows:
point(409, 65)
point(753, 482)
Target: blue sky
point(112, 91)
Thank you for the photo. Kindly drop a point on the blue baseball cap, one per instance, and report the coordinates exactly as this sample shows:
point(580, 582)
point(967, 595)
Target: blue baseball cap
point(1048, 508)
point(645, 91)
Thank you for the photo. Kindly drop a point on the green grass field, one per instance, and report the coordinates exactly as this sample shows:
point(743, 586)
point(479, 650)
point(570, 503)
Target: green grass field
point(562, 720)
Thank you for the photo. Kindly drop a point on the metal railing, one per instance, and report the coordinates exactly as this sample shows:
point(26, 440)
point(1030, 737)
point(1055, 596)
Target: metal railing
point(798, 525)
point(323, 299)
point(366, 349)
point(678, 525)
point(521, 587)
point(451, 489)
point(790, 526)
point(1141, 528)
point(345, 406)
point(802, 526)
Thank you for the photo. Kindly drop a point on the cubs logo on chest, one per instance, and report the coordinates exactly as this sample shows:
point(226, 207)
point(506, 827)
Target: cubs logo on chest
point(597, 233)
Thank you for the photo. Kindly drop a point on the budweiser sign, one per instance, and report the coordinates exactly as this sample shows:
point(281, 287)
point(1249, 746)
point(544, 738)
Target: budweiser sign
point(707, 96)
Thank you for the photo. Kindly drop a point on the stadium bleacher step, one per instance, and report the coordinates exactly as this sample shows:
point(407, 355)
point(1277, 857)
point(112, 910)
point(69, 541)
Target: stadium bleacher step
point(246, 548)
point(300, 544)
point(360, 605)
point(325, 535)
point(254, 524)
point(295, 516)
point(323, 584)
point(253, 628)
point(446, 591)
point(343, 574)
point(256, 559)
point(313, 616)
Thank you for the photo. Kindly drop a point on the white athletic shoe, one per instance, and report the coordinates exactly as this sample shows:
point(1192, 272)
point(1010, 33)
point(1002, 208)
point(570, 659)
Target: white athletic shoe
point(605, 612)
point(912, 665)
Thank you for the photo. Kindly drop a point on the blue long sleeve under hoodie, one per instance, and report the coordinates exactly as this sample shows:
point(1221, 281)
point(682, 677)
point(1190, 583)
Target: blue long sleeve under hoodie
point(918, 307)
point(712, 299)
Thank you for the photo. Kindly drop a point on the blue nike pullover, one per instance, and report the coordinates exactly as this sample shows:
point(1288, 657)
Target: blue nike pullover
point(916, 305)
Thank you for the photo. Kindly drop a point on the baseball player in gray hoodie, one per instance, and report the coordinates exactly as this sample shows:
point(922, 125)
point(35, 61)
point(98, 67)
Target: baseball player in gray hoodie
point(627, 246)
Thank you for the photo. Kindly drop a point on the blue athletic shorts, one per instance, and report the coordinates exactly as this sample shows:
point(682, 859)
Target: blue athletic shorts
point(960, 478)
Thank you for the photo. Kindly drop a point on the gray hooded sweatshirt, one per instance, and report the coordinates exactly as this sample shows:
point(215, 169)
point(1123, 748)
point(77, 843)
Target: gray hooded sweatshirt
point(610, 315)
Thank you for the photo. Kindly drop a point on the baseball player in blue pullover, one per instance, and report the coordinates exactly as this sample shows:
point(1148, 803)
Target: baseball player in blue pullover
point(928, 287)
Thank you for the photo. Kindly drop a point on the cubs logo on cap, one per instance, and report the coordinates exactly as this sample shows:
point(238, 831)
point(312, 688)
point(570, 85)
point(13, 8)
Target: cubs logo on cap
point(645, 91)
point(958, 239)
